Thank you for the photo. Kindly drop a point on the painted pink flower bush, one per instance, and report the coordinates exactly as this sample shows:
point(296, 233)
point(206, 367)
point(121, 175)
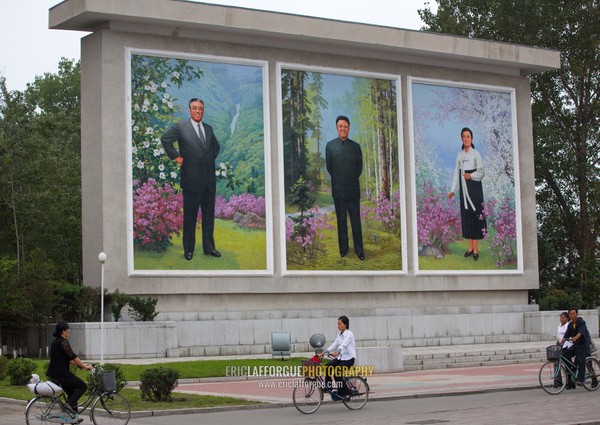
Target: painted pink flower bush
point(502, 222)
point(157, 215)
point(385, 213)
point(244, 203)
point(438, 220)
point(306, 232)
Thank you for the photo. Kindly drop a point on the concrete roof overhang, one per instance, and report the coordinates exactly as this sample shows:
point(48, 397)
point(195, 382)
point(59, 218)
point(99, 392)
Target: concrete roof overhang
point(186, 19)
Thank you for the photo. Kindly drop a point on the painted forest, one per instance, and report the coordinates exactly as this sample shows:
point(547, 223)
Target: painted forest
point(310, 103)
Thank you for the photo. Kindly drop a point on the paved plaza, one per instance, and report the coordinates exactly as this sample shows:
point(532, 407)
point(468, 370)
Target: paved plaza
point(483, 395)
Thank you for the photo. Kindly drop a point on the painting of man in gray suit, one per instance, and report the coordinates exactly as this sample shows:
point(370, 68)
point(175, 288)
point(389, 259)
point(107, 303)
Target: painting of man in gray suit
point(198, 149)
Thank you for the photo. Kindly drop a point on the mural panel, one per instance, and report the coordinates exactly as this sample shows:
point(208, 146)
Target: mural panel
point(175, 166)
point(467, 209)
point(343, 195)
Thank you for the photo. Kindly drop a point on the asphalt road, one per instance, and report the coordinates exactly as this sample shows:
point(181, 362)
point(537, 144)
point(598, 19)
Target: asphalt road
point(529, 407)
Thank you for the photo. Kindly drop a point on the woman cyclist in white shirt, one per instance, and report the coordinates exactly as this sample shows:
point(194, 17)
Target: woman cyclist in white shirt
point(344, 352)
point(562, 328)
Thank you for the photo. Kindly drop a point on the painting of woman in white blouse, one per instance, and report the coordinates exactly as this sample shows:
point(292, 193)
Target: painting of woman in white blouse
point(468, 174)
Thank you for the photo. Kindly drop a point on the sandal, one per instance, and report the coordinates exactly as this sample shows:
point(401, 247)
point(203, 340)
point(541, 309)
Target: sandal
point(475, 256)
point(468, 254)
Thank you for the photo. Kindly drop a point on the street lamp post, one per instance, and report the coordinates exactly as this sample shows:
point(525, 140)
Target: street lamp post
point(102, 259)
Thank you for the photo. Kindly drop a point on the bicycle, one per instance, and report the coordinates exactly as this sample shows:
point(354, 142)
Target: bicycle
point(553, 374)
point(108, 407)
point(308, 392)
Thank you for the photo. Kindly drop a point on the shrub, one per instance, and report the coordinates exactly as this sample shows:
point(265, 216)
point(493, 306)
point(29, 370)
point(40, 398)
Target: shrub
point(94, 380)
point(157, 384)
point(118, 300)
point(557, 299)
point(438, 219)
point(243, 203)
point(78, 303)
point(502, 218)
point(20, 370)
point(385, 213)
point(156, 216)
point(143, 309)
point(306, 231)
point(3, 367)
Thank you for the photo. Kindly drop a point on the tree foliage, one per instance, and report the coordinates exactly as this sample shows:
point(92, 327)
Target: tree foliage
point(566, 125)
point(40, 204)
point(296, 123)
point(142, 309)
point(40, 187)
point(153, 112)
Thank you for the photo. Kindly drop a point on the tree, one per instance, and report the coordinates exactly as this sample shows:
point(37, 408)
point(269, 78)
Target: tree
point(319, 103)
point(153, 111)
point(40, 187)
point(40, 199)
point(566, 124)
point(296, 121)
point(15, 306)
point(382, 93)
point(15, 120)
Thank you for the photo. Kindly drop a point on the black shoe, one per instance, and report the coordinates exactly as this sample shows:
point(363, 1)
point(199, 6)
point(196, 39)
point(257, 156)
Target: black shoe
point(468, 254)
point(213, 253)
point(361, 256)
point(475, 256)
point(343, 254)
point(188, 255)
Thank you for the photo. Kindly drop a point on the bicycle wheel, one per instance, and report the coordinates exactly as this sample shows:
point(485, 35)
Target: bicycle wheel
point(43, 410)
point(307, 396)
point(553, 378)
point(359, 392)
point(592, 374)
point(110, 409)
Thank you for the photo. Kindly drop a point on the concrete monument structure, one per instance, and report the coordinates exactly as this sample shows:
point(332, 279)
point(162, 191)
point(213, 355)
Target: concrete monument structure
point(234, 310)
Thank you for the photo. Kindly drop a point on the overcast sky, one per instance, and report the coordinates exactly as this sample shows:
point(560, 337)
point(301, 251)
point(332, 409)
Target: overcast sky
point(29, 48)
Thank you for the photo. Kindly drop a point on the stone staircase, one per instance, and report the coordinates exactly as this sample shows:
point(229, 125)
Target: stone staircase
point(456, 356)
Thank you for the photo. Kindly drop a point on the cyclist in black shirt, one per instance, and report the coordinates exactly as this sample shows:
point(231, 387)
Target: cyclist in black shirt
point(578, 334)
point(61, 356)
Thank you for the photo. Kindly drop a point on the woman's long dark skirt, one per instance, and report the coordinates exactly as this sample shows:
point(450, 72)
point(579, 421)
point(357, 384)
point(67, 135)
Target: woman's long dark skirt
point(473, 223)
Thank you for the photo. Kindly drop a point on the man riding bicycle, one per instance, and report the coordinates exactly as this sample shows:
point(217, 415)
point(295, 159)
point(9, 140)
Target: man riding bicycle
point(578, 334)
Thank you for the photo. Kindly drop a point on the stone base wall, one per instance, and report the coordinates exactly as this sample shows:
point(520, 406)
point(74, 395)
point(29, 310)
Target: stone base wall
point(249, 333)
point(546, 322)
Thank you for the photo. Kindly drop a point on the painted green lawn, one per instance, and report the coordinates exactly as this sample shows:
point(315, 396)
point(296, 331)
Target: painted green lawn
point(455, 260)
point(241, 249)
point(382, 252)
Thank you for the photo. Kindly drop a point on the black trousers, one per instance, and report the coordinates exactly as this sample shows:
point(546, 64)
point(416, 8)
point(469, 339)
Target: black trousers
point(343, 209)
point(580, 352)
point(73, 386)
point(337, 365)
point(194, 201)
